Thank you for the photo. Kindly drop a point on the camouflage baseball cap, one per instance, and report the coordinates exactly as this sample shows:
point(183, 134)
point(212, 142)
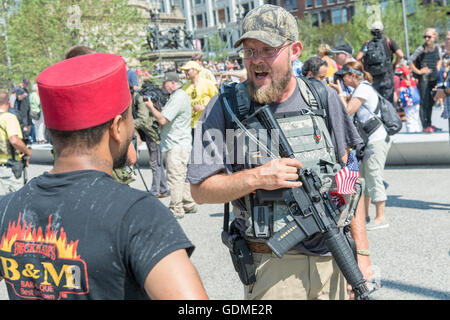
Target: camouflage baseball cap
point(270, 24)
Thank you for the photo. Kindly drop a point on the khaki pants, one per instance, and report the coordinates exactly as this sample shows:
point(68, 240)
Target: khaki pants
point(372, 170)
point(296, 277)
point(9, 183)
point(176, 160)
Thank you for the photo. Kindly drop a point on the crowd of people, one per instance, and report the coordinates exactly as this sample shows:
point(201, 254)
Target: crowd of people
point(327, 107)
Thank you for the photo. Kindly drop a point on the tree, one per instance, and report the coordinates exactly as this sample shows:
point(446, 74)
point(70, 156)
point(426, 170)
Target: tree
point(41, 31)
point(6, 9)
point(357, 31)
point(216, 46)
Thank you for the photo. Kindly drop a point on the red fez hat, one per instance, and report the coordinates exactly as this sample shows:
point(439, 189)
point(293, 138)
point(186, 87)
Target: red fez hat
point(84, 92)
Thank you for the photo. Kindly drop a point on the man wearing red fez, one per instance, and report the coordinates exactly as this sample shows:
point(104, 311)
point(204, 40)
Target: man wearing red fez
point(76, 233)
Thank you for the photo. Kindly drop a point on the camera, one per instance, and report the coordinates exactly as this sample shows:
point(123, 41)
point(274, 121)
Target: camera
point(337, 77)
point(152, 97)
point(155, 94)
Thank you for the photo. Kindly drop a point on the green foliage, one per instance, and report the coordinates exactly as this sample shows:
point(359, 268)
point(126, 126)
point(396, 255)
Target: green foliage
point(41, 31)
point(356, 32)
point(217, 46)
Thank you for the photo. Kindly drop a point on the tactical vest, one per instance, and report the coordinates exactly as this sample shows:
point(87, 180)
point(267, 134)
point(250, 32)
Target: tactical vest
point(307, 131)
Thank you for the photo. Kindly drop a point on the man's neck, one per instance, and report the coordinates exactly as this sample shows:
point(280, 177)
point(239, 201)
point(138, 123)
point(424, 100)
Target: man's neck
point(81, 162)
point(289, 90)
point(430, 46)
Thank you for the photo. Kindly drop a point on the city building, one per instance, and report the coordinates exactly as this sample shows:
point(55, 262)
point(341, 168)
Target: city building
point(222, 17)
point(322, 11)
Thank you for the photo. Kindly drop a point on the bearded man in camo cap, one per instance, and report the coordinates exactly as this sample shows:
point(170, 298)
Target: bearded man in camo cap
point(270, 44)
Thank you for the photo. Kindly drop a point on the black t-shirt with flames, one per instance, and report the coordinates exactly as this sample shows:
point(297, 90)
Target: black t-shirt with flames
point(82, 235)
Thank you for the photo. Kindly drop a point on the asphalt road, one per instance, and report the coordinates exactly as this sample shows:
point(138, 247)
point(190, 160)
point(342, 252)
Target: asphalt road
point(411, 257)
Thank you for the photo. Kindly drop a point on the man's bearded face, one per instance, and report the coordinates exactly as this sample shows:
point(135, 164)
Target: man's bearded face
point(266, 82)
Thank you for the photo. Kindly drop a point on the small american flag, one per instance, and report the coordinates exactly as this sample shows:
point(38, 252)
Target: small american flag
point(346, 178)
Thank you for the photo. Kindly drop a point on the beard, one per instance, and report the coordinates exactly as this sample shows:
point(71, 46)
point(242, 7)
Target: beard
point(270, 94)
point(122, 158)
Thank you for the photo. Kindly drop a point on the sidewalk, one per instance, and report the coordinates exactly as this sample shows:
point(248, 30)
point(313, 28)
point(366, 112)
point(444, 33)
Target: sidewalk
point(411, 257)
point(407, 148)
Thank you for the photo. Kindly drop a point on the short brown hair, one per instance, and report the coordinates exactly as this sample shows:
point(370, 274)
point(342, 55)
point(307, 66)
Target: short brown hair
point(4, 97)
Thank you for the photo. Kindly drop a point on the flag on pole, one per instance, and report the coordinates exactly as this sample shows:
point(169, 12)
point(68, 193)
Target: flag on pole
point(347, 176)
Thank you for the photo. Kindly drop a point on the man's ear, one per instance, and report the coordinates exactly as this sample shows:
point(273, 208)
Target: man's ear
point(296, 49)
point(115, 128)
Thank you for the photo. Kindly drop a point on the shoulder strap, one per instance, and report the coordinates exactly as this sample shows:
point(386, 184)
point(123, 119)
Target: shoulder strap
point(315, 95)
point(239, 100)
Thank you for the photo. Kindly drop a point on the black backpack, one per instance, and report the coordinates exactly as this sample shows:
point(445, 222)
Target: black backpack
point(377, 60)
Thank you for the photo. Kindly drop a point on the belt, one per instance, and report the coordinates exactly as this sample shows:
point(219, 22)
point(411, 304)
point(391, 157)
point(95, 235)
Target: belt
point(259, 247)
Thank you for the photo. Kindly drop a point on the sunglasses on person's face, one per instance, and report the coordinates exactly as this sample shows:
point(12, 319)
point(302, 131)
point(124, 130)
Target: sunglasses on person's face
point(427, 37)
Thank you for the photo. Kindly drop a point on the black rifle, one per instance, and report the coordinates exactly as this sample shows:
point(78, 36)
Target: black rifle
point(312, 212)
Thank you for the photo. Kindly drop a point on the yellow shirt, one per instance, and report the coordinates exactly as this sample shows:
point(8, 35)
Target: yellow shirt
point(9, 126)
point(207, 74)
point(200, 96)
point(330, 71)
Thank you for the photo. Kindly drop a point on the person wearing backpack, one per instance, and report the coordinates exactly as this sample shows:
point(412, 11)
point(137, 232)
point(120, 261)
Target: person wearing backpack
point(377, 57)
point(363, 103)
point(218, 174)
point(425, 62)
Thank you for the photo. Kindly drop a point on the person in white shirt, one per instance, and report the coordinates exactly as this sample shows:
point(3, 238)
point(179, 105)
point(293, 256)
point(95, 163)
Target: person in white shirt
point(363, 102)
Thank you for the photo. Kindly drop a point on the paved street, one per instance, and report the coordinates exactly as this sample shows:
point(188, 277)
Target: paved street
point(411, 257)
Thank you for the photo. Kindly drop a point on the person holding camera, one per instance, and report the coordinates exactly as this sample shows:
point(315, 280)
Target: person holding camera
point(11, 148)
point(363, 102)
point(176, 142)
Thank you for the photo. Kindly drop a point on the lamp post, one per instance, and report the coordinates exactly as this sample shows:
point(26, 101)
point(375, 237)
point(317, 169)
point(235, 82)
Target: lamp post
point(405, 26)
point(154, 10)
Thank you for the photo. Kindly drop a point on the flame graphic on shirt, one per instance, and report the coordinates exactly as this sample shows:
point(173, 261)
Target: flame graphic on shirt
point(18, 232)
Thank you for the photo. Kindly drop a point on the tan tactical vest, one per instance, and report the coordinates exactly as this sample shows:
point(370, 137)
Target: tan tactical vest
point(314, 151)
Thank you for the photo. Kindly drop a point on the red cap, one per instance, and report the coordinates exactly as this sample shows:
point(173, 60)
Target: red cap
point(84, 92)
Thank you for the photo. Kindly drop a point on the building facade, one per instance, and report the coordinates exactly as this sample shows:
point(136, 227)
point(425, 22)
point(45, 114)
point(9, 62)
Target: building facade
point(223, 17)
point(322, 11)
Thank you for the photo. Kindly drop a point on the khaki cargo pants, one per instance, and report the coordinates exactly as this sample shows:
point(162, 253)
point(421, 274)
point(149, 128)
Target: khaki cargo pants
point(296, 277)
point(9, 183)
point(176, 160)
